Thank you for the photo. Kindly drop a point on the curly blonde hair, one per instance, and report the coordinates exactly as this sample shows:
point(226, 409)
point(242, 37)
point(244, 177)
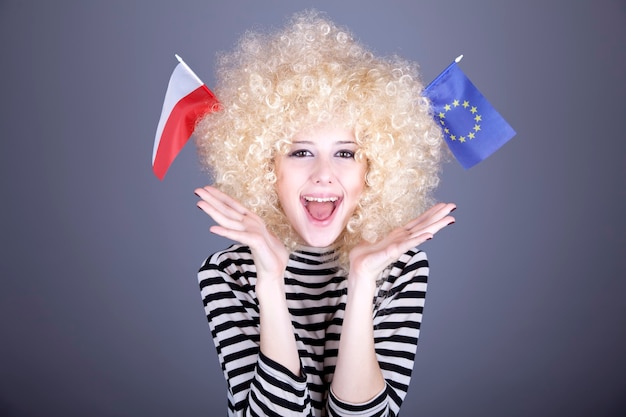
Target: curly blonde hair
point(311, 72)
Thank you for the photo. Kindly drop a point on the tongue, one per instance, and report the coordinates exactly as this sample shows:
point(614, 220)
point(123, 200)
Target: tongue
point(320, 211)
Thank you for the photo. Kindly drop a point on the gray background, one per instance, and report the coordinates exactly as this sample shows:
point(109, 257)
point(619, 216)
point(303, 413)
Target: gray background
point(100, 313)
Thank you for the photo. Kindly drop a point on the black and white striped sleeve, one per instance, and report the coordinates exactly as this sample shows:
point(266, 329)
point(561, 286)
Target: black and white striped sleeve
point(398, 309)
point(257, 386)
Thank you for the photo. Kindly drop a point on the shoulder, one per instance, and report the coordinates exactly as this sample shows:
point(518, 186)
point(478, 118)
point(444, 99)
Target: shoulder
point(413, 262)
point(233, 265)
point(408, 273)
point(235, 256)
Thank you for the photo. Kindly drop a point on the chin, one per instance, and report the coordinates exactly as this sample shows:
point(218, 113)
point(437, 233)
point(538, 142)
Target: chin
point(321, 239)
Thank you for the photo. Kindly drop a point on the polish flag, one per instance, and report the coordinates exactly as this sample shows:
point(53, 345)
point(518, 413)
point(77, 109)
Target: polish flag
point(187, 98)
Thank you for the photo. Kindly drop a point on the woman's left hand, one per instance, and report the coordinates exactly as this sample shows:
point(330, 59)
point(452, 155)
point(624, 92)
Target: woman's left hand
point(368, 260)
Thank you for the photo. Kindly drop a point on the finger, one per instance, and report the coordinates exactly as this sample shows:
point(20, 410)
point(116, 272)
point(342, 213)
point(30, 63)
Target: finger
point(221, 197)
point(212, 197)
point(222, 208)
point(223, 216)
point(434, 227)
point(440, 210)
point(435, 213)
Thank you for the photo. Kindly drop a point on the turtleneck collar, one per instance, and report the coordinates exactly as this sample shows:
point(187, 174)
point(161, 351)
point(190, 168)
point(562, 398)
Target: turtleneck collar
point(315, 255)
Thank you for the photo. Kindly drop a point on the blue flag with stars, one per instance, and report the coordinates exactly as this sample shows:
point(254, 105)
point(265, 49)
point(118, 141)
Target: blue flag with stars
point(472, 128)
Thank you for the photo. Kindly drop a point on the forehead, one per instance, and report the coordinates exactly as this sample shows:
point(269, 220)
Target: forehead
point(320, 135)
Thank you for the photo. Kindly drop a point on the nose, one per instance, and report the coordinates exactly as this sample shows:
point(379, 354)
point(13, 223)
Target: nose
point(323, 171)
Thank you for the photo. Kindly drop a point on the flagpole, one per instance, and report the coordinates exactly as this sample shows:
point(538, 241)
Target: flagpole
point(188, 69)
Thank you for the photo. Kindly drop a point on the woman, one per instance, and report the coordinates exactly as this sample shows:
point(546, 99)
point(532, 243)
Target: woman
point(324, 158)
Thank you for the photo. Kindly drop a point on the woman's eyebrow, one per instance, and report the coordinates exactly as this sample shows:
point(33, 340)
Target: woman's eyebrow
point(310, 142)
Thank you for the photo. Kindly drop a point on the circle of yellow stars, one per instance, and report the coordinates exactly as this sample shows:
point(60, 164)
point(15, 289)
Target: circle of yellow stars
point(471, 134)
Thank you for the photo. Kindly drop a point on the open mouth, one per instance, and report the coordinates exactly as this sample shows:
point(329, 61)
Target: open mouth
point(320, 208)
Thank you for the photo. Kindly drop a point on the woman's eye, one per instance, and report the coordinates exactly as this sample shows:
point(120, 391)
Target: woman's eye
point(345, 154)
point(300, 153)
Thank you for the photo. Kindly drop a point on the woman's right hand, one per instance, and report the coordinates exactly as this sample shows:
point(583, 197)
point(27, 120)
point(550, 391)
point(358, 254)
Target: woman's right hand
point(237, 223)
point(270, 256)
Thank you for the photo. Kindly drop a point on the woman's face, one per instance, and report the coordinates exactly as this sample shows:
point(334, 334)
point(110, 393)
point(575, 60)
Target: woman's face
point(319, 183)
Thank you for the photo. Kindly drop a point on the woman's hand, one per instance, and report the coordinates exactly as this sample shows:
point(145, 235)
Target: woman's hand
point(237, 223)
point(270, 256)
point(368, 260)
point(358, 376)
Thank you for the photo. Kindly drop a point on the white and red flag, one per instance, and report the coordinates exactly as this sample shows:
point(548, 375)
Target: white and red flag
point(187, 98)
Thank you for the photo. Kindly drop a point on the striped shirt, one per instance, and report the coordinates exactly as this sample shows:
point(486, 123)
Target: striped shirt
point(316, 294)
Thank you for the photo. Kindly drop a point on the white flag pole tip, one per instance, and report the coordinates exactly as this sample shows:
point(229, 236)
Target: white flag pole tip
point(189, 70)
point(458, 59)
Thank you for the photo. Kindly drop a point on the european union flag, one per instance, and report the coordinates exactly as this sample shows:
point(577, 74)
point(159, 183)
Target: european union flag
point(472, 128)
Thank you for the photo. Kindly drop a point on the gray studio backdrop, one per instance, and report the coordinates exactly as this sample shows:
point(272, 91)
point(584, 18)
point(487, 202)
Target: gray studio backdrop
point(100, 312)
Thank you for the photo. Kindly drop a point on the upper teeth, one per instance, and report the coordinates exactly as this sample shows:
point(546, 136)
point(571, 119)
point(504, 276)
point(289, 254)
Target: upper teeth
point(321, 199)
